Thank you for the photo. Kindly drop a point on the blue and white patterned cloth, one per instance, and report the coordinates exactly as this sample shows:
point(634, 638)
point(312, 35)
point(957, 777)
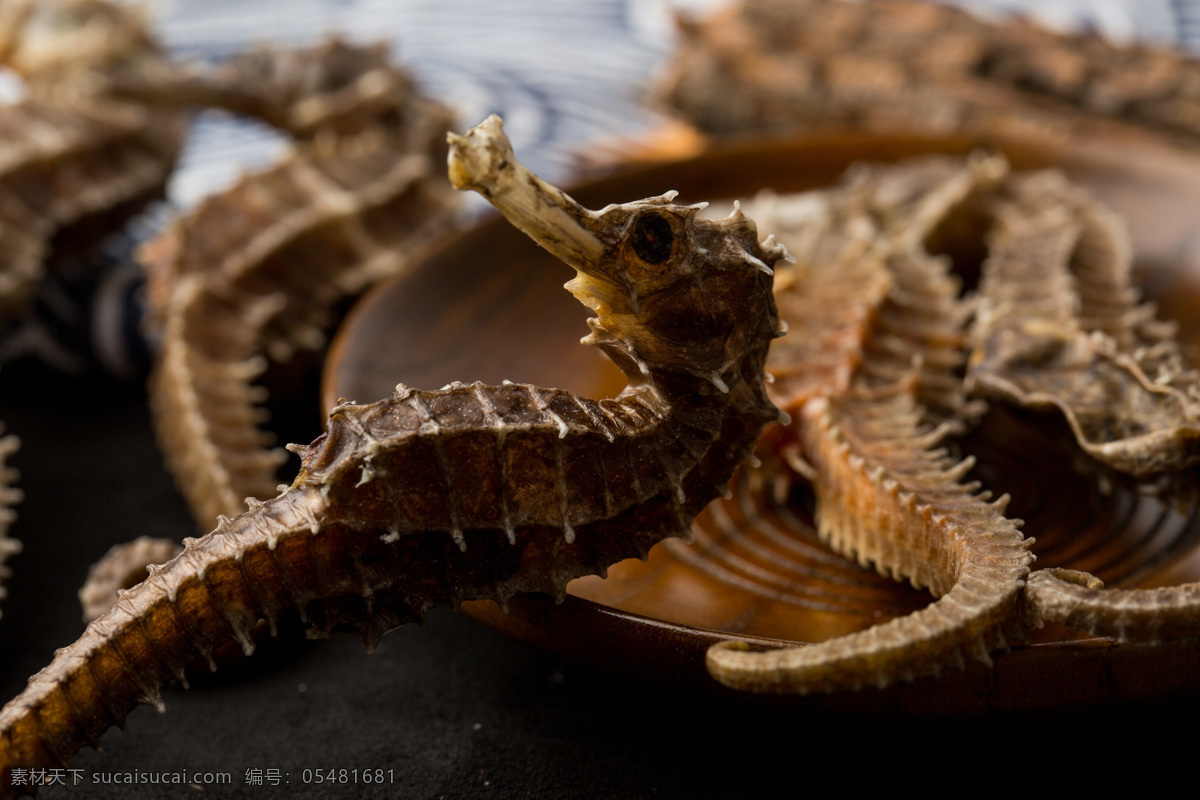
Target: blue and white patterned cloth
point(560, 72)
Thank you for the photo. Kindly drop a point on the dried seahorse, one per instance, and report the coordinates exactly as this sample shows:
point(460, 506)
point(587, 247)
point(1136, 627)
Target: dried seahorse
point(869, 227)
point(331, 90)
point(69, 154)
point(258, 272)
point(1060, 326)
point(470, 491)
point(885, 493)
point(282, 249)
point(779, 65)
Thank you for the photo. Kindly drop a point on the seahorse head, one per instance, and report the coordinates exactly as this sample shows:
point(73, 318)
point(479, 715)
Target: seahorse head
point(673, 292)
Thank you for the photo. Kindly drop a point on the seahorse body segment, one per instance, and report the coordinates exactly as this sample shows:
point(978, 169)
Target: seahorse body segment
point(470, 491)
point(886, 493)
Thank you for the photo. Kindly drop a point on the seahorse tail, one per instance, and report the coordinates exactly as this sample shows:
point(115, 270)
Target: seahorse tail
point(1080, 601)
point(183, 610)
point(888, 497)
point(966, 624)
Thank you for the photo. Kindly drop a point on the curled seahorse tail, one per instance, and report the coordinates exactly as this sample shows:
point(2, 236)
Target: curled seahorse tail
point(893, 500)
point(949, 633)
point(1080, 601)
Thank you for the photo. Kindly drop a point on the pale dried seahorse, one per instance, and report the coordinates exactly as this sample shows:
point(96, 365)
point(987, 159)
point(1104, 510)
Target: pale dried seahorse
point(72, 159)
point(886, 495)
point(1060, 326)
point(260, 272)
point(470, 491)
point(256, 274)
point(891, 65)
point(834, 308)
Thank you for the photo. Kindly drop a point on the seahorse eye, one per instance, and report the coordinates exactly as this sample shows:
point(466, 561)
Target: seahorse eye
point(652, 239)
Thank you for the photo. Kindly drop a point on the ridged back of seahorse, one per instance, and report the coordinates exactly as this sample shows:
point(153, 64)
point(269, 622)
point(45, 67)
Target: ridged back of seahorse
point(1102, 282)
point(500, 458)
point(889, 498)
point(359, 116)
point(886, 486)
point(319, 224)
point(886, 493)
point(206, 406)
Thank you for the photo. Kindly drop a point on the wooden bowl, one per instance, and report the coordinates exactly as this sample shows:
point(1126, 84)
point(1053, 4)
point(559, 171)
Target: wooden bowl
point(488, 305)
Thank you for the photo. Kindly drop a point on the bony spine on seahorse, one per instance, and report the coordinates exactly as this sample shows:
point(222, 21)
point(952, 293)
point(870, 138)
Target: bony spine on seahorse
point(471, 491)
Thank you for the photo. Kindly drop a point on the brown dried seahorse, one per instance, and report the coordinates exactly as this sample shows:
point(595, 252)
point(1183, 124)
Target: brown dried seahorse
point(1060, 326)
point(70, 155)
point(886, 495)
point(256, 274)
point(889, 65)
point(470, 491)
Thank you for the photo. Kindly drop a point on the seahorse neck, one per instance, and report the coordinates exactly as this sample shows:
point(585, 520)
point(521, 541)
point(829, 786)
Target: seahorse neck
point(710, 421)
